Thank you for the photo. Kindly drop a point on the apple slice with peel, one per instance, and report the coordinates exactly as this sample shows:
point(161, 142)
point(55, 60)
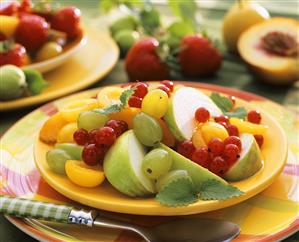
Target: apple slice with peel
point(182, 106)
point(197, 173)
point(249, 162)
point(122, 166)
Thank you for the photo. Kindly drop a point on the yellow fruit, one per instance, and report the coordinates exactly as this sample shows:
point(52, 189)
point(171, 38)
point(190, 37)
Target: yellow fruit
point(198, 140)
point(82, 175)
point(168, 139)
point(47, 51)
point(247, 127)
point(109, 95)
point(51, 128)
point(8, 25)
point(72, 110)
point(65, 135)
point(126, 114)
point(212, 130)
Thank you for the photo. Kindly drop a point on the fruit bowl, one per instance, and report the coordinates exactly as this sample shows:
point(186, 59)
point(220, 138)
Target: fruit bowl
point(68, 51)
point(105, 197)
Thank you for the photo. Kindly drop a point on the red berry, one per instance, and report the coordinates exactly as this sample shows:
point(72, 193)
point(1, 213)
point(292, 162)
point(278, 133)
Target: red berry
point(92, 154)
point(92, 136)
point(25, 6)
point(32, 31)
point(223, 124)
point(218, 166)
point(233, 140)
point(119, 126)
point(8, 8)
point(232, 130)
point(165, 89)
point(105, 136)
point(15, 55)
point(168, 83)
point(254, 116)
point(81, 136)
point(140, 89)
point(67, 20)
point(186, 148)
point(221, 118)
point(230, 153)
point(216, 146)
point(202, 115)
point(135, 102)
point(201, 156)
point(233, 100)
point(259, 139)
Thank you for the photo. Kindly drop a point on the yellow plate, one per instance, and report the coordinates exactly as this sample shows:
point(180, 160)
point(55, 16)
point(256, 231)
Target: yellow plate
point(105, 197)
point(91, 63)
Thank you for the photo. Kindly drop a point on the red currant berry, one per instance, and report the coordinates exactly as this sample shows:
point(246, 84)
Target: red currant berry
point(232, 130)
point(119, 126)
point(230, 153)
point(233, 100)
point(105, 136)
point(254, 116)
point(216, 146)
point(81, 136)
point(92, 136)
point(218, 166)
point(233, 140)
point(168, 84)
point(259, 139)
point(140, 89)
point(202, 115)
point(201, 156)
point(135, 102)
point(92, 155)
point(186, 148)
point(221, 118)
point(165, 89)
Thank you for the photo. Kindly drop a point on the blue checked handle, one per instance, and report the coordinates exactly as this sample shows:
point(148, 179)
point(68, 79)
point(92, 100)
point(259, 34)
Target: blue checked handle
point(26, 208)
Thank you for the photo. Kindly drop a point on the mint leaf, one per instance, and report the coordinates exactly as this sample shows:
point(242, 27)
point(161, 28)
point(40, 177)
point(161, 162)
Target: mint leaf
point(239, 112)
point(216, 190)
point(124, 97)
point(114, 108)
point(35, 81)
point(179, 192)
point(224, 103)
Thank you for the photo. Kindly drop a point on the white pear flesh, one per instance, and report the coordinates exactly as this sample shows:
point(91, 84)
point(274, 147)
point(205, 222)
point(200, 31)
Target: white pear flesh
point(249, 162)
point(122, 166)
point(182, 106)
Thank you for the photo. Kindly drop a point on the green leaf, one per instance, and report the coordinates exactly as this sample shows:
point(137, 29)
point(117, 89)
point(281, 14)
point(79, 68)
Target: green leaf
point(124, 97)
point(179, 192)
point(239, 112)
point(149, 19)
point(35, 81)
point(179, 29)
point(107, 5)
point(114, 108)
point(216, 190)
point(224, 103)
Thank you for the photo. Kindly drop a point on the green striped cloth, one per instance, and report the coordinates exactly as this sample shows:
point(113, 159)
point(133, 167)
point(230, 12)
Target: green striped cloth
point(34, 209)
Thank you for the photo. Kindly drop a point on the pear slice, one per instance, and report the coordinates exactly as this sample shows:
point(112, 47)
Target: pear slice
point(182, 106)
point(122, 166)
point(250, 160)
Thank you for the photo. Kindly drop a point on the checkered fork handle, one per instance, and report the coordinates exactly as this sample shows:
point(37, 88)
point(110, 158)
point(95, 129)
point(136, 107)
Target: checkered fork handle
point(26, 208)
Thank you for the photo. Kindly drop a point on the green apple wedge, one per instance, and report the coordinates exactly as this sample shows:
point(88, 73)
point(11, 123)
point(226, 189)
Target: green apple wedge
point(182, 106)
point(249, 162)
point(122, 166)
point(197, 173)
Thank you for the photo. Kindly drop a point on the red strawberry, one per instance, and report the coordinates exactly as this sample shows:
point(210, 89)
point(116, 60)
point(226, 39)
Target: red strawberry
point(67, 20)
point(144, 64)
point(198, 57)
point(32, 31)
point(9, 8)
point(14, 54)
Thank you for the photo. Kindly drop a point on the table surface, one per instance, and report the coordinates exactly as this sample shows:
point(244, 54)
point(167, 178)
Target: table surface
point(232, 74)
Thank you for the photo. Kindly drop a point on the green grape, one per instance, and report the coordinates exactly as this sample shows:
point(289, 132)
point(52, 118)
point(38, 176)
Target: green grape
point(127, 22)
point(126, 39)
point(156, 163)
point(90, 120)
point(155, 103)
point(147, 129)
point(170, 177)
point(73, 150)
point(179, 29)
point(56, 159)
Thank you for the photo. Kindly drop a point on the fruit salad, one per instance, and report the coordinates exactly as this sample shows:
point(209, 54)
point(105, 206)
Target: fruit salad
point(35, 32)
point(164, 140)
